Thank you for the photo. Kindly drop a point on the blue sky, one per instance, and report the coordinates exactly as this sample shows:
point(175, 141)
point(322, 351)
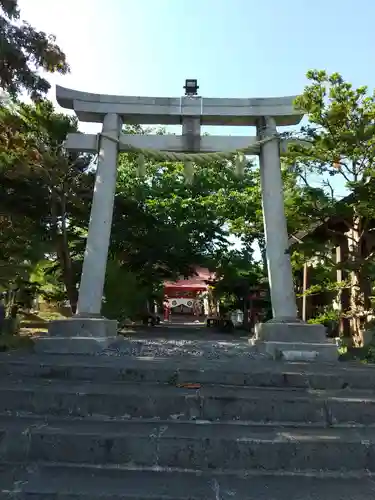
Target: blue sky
point(235, 48)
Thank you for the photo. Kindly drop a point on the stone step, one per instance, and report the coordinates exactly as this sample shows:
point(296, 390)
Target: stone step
point(62, 482)
point(260, 373)
point(188, 445)
point(156, 346)
point(208, 402)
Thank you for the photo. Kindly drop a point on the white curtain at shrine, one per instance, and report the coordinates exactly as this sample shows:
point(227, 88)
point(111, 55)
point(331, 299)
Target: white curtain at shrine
point(175, 302)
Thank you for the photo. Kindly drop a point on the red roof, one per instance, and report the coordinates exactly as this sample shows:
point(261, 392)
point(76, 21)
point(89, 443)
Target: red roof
point(194, 282)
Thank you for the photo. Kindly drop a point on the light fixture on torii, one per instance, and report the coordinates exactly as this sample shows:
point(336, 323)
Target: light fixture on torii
point(191, 87)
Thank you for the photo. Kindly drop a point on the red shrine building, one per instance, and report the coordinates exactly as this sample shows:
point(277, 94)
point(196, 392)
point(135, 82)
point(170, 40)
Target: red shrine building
point(189, 296)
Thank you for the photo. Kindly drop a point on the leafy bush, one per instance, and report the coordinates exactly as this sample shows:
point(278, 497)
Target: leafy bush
point(365, 354)
point(329, 318)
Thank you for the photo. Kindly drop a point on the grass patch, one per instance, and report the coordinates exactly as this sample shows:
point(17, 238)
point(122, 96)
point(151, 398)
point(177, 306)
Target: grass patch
point(38, 320)
point(11, 342)
point(28, 326)
point(364, 354)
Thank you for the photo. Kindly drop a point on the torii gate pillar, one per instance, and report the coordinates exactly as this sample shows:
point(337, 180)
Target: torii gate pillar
point(285, 336)
point(89, 332)
point(98, 237)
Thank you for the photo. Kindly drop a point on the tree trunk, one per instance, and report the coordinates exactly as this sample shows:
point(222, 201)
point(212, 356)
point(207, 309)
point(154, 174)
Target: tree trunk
point(63, 252)
point(358, 295)
point(343, 296)
point(246, 323)
point(68, 277)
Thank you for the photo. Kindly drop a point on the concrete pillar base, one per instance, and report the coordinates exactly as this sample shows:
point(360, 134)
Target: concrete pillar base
point(294, 341)
point(77, 336)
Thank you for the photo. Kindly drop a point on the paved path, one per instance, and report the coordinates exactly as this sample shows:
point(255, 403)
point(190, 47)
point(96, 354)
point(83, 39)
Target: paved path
point(173, 340)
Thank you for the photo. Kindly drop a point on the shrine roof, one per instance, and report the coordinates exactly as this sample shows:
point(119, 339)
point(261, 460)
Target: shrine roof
point(199, 280)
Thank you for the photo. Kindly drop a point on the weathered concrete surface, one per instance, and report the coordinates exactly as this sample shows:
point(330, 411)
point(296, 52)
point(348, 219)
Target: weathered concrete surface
point(127, 427)
point(83, 327)
point(77, 335)
point(273, 331)
point(282, 339)
point(283, 299)
point(163, 346)
point(88, 143)
point(213, 403)
point(167, 342)
point(90, 291)
point(241, 372)
point(169, 110)
point(58, 482)
point(326, 352)
point(194, 445)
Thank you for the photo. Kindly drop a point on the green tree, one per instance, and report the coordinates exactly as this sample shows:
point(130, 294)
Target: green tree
point(24, 51)
point(126, 295)
point(236, 275)
point(341, 151)
point(303, 206)
point(45, 193)
point(162, 226)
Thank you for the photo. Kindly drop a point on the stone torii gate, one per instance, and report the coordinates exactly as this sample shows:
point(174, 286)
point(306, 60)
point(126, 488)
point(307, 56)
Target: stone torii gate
point(285, 335)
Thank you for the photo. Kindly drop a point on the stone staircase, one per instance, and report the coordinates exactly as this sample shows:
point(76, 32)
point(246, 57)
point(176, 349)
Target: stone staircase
point(123, 427)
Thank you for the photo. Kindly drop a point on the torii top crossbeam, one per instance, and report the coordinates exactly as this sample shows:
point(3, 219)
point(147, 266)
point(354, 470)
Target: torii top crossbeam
point(170, 110)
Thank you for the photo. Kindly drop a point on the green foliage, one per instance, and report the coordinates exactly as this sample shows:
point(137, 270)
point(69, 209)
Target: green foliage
point(365, 354)
point(161, 227)
point(46, 278)
point(236, 274)
point(10, 341)
point(24, 52)
point(328, 317)
point(303, 206)
point(125, 295)
point(341, 137)
point(185, 225)
point(341, 153)
point(45, 193)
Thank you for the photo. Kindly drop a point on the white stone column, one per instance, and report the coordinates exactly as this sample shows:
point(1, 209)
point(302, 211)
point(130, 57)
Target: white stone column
point(278, 260)
point(191, 133)
point(98, 237)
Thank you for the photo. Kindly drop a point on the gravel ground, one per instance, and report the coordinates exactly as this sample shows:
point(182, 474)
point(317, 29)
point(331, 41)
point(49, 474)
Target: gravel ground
point(172, 348)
